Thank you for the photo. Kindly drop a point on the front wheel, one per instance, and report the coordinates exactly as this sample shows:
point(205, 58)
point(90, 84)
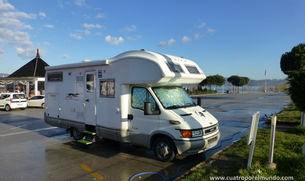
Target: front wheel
point(7, 107)
point(164, 149)
point(77, 135)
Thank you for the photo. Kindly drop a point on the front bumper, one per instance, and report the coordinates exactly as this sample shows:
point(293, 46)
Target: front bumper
point(190, 147)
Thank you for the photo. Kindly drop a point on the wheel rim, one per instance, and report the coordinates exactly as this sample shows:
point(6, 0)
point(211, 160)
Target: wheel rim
point(163, 150)
point(76, 134)
point(7, 108)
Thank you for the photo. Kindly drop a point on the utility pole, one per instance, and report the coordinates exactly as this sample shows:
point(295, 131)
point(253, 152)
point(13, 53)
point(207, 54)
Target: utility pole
point(265, 80)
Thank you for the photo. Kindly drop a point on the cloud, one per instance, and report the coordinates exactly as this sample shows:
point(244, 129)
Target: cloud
point(114, 40)
point(5, 6)
point(185, 39)
point(201, 25)
point(87, 32)
point(100, 15)
point(11, 31)
point(75, 36)
point(25, 52)
point(129, 29)
point(1, 52)
point(168, 43)
point(49, 26)
point(210, 31)
point(86, 16)
point(13, 23)
point(64, 56)
point(60, 4)
point(80, 3)
point(134, 38)
point(91, 26)
point(18, 15)
point(196, 36)
point(41, 14)
point(46, 43)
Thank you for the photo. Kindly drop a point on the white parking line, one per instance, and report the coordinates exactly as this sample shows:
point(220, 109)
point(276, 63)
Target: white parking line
point(22, 132)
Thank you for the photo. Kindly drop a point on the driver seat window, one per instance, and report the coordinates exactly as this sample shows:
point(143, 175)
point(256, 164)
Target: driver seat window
point(141, 95)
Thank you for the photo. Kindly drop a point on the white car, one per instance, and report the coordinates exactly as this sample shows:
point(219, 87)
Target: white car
point(36, 101)
point(10, 101)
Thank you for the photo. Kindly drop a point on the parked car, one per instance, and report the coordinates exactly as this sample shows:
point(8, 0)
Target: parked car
point(36, 101)
point(10, 101)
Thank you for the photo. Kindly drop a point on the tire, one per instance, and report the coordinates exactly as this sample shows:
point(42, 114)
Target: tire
point(164, 149)
point(42, 105)
point(7, 107)
point(77, 135)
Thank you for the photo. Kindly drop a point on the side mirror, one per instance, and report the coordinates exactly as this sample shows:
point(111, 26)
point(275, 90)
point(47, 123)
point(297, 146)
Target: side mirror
point(148, 111)
point(199, 101)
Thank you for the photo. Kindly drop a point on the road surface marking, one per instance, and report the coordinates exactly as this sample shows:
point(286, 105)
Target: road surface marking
point(29, 131)
point(94, 174)
point(12, 128)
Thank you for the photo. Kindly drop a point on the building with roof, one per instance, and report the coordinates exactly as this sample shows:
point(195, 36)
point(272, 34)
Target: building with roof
point(29, 79)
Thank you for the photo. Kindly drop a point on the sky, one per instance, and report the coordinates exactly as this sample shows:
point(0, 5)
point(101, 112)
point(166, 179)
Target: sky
point(237, 37)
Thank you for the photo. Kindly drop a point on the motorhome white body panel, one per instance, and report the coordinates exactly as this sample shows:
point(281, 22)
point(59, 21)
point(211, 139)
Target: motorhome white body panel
point(108, 97)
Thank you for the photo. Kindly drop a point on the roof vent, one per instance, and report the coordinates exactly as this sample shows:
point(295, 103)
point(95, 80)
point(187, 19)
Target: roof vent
point(86, 60)
point(143, 50)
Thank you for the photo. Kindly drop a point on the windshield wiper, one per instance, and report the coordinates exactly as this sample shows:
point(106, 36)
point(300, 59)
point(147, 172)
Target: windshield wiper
point(183, 106)
point(174, 107)
point(189, 105)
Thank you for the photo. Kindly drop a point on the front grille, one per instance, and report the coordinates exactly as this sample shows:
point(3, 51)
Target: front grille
point(210, 129)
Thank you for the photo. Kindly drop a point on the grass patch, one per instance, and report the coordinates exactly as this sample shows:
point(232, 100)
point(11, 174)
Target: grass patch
point(289, 114)
point(233, 161)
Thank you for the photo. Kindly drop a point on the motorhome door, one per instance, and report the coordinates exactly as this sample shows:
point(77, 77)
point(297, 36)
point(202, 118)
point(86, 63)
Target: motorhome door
point(140, 125)
point(90, 100)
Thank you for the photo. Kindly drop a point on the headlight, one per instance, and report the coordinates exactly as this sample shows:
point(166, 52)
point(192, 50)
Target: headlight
point(191, 133)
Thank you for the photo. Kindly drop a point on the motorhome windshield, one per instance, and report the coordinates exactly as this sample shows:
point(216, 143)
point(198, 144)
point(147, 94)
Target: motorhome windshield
point(173, 97)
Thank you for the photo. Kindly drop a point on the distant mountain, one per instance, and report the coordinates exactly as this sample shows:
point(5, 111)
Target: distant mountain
point(270, 82)
point(4, 75)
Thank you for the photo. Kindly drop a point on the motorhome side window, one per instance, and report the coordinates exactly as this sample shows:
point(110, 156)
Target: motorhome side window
point(192, 69)
point(90, 82)
point(55, 77)
point(107, 88)
point(141, 95)
point(175, 67)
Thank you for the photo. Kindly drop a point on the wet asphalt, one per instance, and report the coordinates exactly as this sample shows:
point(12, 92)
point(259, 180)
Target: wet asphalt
point(33, 150)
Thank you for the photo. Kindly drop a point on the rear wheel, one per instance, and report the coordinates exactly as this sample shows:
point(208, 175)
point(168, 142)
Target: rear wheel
point(42, 105)
point(164, 149)
point(77, 135)
point(7, 107)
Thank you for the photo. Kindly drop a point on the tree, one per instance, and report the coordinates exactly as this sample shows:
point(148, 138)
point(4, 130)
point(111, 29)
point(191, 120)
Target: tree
point(293, 60)
point(293, 65)
point(219, 80)
point(297, 88)
point(235, 80)
point(210, 80)
point(245, 81)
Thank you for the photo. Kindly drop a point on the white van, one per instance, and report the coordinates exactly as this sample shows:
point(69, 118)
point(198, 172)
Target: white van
point(10, 101)
point(135, 97)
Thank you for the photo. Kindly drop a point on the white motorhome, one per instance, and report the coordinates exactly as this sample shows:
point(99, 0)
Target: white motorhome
point(135, 97)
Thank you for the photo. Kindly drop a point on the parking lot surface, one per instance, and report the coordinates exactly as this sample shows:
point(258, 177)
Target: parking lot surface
point(33, 150)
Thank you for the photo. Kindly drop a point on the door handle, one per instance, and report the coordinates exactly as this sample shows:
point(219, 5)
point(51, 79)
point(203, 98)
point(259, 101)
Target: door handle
point(87, 100)
point(130, 117)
